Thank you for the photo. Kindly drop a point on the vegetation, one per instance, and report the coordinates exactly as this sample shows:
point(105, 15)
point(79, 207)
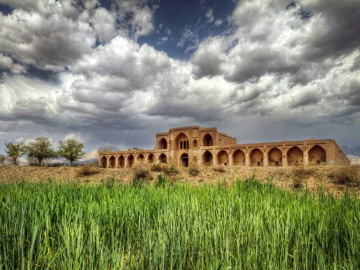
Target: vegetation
point(87, 170)
point(14, 151)
point(71, 150)
point(111, 226)
point(135, 149)
point(2, 159)
point(41, 149)
point(194, 170)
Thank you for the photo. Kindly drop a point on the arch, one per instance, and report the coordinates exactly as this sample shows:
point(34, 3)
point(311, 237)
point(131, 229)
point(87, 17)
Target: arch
point(207, 158)
point(274, 157)
point(184, 160)
point(163, 143)
point(103, 162)
point(195, 144)
point(112, 162)
point(182, 141)
point(163, 158)
point(151, 158)
point(256, 158)
point(130, 160)
point(208, 140)
point(141, 158)
point(317, 155)
point(223, 158)
point(239, 158)
point(121, 162)
point(295, 156)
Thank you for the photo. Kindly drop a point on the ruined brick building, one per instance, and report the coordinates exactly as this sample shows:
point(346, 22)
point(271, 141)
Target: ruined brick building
point(184, 146)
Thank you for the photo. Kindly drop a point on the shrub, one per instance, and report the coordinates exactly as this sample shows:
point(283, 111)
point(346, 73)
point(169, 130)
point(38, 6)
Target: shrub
point(169, 169)
point(142, 172)
point(219, 169)
point(87, 169)
point(156, 167)
point(347, 175)
point(194, 170)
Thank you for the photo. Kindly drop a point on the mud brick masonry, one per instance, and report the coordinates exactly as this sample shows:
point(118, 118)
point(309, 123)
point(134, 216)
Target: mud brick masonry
point(201, 146)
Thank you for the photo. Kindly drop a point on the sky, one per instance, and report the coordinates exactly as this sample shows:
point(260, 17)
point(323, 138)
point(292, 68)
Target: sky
point(114, 73)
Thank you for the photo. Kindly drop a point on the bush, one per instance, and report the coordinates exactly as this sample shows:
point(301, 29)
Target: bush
point(347, 175)
point(142, 172)
point(156, 167)
point(169, 169)
point(194, 170)
point(87, 169)
point(219, 169)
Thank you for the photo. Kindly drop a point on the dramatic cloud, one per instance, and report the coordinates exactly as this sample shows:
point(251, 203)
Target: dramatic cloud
point(272, 70)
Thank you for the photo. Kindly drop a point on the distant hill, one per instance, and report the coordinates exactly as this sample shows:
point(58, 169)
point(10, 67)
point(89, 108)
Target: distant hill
point(92, 157)
point(353, 154)
point(355, 151)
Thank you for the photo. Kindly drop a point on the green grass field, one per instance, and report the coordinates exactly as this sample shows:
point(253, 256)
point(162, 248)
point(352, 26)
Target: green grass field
point(248, 226)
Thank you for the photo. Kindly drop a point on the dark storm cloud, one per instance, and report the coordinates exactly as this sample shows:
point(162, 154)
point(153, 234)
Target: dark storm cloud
point(338, 30)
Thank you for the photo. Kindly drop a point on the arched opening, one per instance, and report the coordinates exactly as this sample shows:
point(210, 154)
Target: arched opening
point(121, 162)
point(295, 156)
point(112, 162)
point(130, 161)
point(163, 143)
point(151, 158)
point(239, 158)
point(184, 160)
point(208, 140)
point(223, 158)
point(207, 158)
point(195, 144)
point(141, 158)
point(103, 162)
point(274, 157)
point(163, 158)
point(182, 141)
point(317, 155)
point(256, 158)
point(195, 160)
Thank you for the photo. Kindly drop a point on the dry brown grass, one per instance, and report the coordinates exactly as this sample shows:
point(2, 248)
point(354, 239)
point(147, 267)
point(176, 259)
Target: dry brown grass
point(219, 169)
point(141, 172)
point(349, 175)
point(300, 174)
point(87, 170)
point(194, 170)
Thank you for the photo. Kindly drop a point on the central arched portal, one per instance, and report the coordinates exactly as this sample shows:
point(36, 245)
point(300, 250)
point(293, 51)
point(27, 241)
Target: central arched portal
point(184, 160)
point(182, 141)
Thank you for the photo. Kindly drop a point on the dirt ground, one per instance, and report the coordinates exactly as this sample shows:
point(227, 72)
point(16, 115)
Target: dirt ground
point(290, 178)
